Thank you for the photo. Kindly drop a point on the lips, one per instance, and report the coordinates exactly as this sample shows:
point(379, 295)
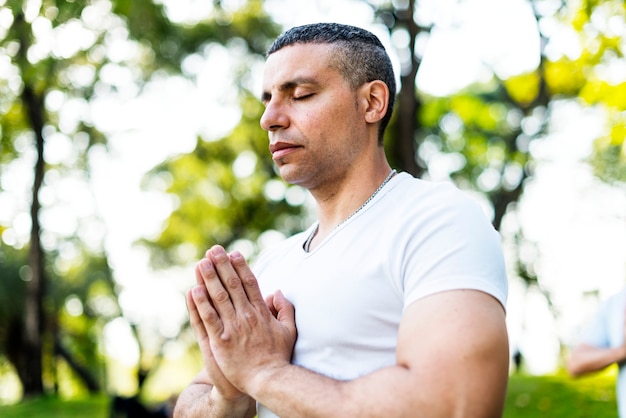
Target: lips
point(281, 149)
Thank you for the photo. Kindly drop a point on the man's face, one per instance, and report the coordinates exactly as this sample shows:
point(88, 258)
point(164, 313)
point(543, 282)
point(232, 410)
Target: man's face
point(314, 119)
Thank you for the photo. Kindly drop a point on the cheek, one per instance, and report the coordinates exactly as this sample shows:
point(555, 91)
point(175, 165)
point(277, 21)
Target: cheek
point(314, 125)
point(335, 118)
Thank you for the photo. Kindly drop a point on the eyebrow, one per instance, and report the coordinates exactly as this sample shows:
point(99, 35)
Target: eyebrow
point(289, 85)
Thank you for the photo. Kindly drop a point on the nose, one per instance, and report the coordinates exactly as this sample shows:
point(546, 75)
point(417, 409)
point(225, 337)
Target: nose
point(274, 117)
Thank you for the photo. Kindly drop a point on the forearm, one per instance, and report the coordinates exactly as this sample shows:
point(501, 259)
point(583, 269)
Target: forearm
point(392, 391)
point(297, 392)
point(586, 359)
point(201, 400)
point(434, 376)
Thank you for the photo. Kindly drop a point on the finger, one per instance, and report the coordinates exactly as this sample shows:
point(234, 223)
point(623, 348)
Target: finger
point(199, 279)
point(215, 374)
point(286, 313)
point(269, 302)
point(217, 293)
point(198, 326)
point(248, 280)
point(194, 318)
point(229, 277)
point(205, 315)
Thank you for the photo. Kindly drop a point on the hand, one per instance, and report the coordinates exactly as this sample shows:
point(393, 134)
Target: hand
point(244, 334)
point(220, 384)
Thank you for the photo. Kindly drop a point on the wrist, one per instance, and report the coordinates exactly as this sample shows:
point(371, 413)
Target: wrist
point(261, 380)
point(232, 406)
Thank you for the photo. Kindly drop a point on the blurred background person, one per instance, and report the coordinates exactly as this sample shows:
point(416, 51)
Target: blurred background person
point(601, 344)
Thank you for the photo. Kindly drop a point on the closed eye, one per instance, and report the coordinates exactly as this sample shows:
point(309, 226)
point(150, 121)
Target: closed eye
point(302, 97)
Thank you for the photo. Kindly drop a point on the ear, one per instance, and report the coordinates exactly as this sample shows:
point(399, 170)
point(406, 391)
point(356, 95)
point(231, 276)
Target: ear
point(376, 98)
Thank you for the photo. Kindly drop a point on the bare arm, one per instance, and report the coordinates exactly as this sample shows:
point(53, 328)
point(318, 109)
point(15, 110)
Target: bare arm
point(200, 399)
point(452, 361)
point(452, 354)
point(586, 358)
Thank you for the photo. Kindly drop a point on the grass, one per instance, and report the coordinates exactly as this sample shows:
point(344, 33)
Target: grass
point(52, 407)
point(559, 396)
point(554, 396)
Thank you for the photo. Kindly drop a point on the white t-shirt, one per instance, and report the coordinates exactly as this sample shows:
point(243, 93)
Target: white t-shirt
point(414, 239)
point(606, 330)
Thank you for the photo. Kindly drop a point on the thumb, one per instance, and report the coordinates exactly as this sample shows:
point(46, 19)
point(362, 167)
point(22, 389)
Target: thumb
point(285, 311)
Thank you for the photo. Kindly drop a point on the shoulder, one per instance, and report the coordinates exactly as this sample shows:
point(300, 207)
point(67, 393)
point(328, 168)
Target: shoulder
point(427, 194)
point(614, 303)
point(437, 205)
point(443, 239)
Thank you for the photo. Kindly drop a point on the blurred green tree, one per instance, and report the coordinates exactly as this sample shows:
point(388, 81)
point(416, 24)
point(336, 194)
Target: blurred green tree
point(484, 132)
point(56, 57)
point(227, 192)
point(487, 128)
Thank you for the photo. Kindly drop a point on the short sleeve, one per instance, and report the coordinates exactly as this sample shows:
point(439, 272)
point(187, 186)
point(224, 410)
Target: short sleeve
point(596, 331)
point(451, 245)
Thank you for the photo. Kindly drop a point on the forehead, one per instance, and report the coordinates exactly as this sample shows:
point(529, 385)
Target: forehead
point(298, 61)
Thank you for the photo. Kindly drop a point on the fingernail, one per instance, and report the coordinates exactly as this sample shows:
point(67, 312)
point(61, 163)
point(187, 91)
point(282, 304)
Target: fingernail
point(218, 253)
point(205, 264)
point(236, 255)
point(197, 290)
point(218, 249)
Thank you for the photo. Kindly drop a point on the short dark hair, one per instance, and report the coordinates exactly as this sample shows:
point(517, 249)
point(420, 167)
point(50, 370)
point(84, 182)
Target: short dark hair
point(360, 58)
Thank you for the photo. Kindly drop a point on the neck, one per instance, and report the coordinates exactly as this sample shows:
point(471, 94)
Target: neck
point(342, 206)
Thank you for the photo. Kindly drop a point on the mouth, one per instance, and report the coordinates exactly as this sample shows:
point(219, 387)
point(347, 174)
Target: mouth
point(280, 149)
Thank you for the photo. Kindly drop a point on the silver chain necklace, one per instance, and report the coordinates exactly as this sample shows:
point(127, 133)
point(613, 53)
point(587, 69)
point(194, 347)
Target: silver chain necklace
point(307, 243)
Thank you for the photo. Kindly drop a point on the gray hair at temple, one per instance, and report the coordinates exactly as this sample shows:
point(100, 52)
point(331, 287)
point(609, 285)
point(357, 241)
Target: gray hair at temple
point(360, 58)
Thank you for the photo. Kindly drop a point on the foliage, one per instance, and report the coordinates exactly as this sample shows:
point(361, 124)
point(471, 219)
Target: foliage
point(608, 162)
point(599, 83)
point(483, 134)
point(560, 396)
point(482, 137)
point(50, 83)
point(84, 297)
point(82, 301)
point(13, 270)
point(479, 133)
point(57, 58)
point(226, 192)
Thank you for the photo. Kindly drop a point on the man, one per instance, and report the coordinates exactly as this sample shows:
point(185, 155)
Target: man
point(602, 345)
point(391, 305)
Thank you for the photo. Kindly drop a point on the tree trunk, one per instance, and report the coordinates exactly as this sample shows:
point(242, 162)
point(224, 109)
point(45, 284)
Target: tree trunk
point(83, 372)
point(31, 365)
point(403, 147)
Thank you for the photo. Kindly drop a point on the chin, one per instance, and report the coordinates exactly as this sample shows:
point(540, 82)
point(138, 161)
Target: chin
point(299, 175)
point(290, 176)
point(285, 172)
